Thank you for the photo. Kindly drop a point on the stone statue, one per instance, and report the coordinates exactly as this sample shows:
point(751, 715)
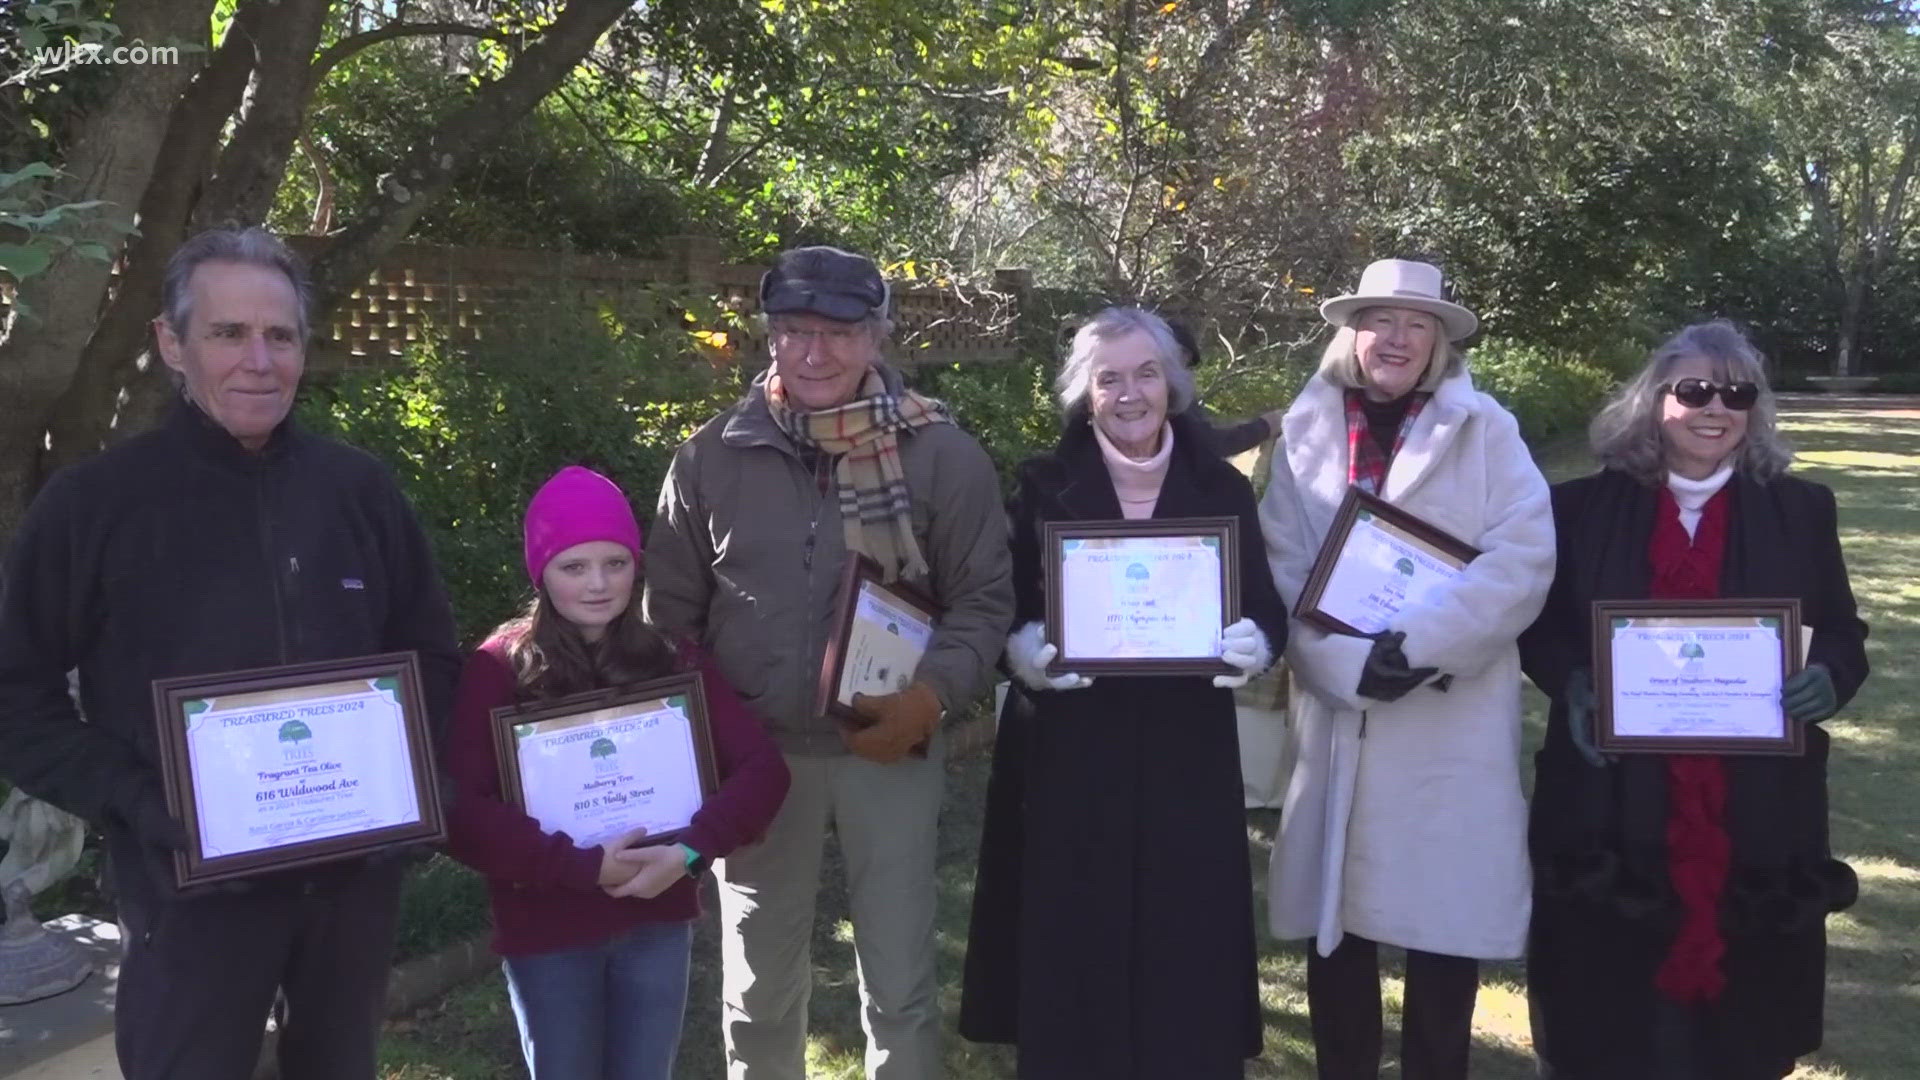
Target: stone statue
point(43, 844)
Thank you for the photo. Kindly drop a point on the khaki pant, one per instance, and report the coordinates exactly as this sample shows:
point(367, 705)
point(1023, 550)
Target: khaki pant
point(886, 817)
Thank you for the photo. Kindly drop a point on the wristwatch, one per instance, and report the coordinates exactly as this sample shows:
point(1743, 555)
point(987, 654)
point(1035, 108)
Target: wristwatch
point(696, 863)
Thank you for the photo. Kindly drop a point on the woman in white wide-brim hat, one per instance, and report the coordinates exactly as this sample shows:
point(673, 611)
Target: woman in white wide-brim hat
point(1403, 819)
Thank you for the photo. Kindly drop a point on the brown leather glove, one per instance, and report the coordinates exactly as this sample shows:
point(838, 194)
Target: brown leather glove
point(896, 724)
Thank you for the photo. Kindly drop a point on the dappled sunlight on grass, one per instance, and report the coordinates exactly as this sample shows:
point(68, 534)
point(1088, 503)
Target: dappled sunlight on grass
point(1500, 1014)
point(1873, 464)
point(1861, 459)
point(1879, 872)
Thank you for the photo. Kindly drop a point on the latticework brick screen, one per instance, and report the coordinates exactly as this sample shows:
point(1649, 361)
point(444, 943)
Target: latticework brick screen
point(461, 289)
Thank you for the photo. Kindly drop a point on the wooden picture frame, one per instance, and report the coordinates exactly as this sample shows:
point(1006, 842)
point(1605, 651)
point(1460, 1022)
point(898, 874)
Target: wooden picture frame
point(1422, 543)
point(1690, 626)
point(1218, 536)
point(210, 722)
point(592, 718)
point(851, 639)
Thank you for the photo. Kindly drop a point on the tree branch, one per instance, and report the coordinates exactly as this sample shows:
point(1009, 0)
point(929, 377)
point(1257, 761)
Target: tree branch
point(344, 49)
point(429, 169)
point(250, 169)
point(113, 156)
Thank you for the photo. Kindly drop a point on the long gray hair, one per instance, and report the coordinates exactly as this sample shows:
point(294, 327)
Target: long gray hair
point(1076, 372)
point(1627, 436)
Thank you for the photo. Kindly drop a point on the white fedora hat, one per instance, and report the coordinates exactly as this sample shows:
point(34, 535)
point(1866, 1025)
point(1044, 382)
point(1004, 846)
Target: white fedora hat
point(1406, 284)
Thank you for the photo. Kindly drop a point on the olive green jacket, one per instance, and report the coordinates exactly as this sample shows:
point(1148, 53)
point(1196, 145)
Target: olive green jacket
point(747, 550)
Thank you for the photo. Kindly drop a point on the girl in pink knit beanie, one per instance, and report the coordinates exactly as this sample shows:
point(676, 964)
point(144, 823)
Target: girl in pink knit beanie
point(595, 938)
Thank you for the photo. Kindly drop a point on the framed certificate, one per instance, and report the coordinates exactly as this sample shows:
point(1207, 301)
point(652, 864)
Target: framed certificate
point(1377, 561)
point(1695, 676)
point(880, 633)
point(1142, 597)
point(601, 764)
point(282, 767)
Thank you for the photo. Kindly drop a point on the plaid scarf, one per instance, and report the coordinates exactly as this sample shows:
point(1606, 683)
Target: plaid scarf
point(864, 435)
point(1366, 464)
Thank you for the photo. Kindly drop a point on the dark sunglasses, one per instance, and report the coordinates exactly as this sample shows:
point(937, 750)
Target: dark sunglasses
point(1696, 393)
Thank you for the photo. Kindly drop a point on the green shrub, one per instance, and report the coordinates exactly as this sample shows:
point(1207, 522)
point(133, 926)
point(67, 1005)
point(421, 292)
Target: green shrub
point(473, 431)
point(1552, 393)
point(442, 903)
point(1007, 406)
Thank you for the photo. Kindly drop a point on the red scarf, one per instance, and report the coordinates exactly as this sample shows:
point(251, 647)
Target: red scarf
point(1698, 850)
point(1366, 464)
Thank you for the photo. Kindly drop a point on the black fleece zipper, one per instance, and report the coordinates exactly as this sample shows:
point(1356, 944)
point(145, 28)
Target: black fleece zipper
point(263, 514)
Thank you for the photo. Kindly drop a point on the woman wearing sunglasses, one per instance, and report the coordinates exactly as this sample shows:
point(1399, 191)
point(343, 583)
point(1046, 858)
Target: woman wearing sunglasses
point(1680, 901)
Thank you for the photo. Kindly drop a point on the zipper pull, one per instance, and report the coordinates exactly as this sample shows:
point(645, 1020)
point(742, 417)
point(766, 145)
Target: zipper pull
point(293, 564)
point(806, 556)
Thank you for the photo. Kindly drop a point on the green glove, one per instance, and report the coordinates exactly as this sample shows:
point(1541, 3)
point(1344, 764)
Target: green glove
point(1809, 696)
point(1582, 711)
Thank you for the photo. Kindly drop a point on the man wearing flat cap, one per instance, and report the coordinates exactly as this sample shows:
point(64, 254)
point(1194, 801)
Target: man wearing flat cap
point(829, 458)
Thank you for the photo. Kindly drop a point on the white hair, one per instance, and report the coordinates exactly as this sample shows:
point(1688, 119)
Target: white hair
point(1075, 381)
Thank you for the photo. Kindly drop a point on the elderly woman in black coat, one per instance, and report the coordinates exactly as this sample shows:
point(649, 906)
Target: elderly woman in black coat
point(1680, 901)
point(1112, 931)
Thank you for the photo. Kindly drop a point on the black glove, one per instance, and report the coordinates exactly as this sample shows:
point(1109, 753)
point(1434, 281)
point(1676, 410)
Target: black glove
point(1582, 711)
point(1387, 675)
point(1809, 696)
point(145, 812)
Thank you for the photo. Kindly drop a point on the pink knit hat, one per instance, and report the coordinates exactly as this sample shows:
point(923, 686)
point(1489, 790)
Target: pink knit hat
point(577, 506)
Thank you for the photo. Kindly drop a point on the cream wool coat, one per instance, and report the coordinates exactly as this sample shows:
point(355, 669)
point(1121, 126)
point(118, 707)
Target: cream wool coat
point(1404, 822)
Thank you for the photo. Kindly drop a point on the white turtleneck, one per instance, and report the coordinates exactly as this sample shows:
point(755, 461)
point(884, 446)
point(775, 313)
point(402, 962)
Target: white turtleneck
point(1692, 495)
point(1136, 483)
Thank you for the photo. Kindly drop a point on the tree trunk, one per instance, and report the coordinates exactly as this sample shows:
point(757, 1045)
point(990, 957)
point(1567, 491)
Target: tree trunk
point(85, 415)
point(1853, 306)
point(714, 154)
point(430, 169)
point(255, 159)
point(113, 158)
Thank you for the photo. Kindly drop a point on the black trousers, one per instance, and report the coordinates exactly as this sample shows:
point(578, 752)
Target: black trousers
point(1436, 1025)
point(201, 973)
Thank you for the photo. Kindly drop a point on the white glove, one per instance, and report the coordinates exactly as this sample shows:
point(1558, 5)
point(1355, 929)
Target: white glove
point(1029, 653)
point(1245, 646)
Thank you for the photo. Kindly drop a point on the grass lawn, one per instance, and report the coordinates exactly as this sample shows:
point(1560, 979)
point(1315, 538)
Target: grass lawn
point(1873, 1002)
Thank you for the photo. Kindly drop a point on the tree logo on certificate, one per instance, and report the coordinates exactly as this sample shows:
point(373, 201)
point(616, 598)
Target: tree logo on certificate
point(1137, 578)
point(292, 734)
point(605, 755)
point(1405, 566)
point(1692, 656)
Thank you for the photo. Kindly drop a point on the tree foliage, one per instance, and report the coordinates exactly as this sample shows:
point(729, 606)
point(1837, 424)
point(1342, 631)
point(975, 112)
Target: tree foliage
point(473, 432)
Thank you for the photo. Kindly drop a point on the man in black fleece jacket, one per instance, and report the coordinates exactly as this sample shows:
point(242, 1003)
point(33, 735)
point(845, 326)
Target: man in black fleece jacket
point(227, 539)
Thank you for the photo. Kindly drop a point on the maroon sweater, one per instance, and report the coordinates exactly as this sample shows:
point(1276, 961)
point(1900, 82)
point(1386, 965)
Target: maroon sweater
point(546, 892)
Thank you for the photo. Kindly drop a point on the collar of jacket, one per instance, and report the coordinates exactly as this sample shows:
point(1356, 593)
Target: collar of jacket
point(207, 438)
point(1613, 558)
point(1314, 432)
point(752, 422)
point(1085, 488)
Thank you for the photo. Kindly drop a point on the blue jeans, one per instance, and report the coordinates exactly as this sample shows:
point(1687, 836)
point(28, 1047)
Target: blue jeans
point(610, 1011)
